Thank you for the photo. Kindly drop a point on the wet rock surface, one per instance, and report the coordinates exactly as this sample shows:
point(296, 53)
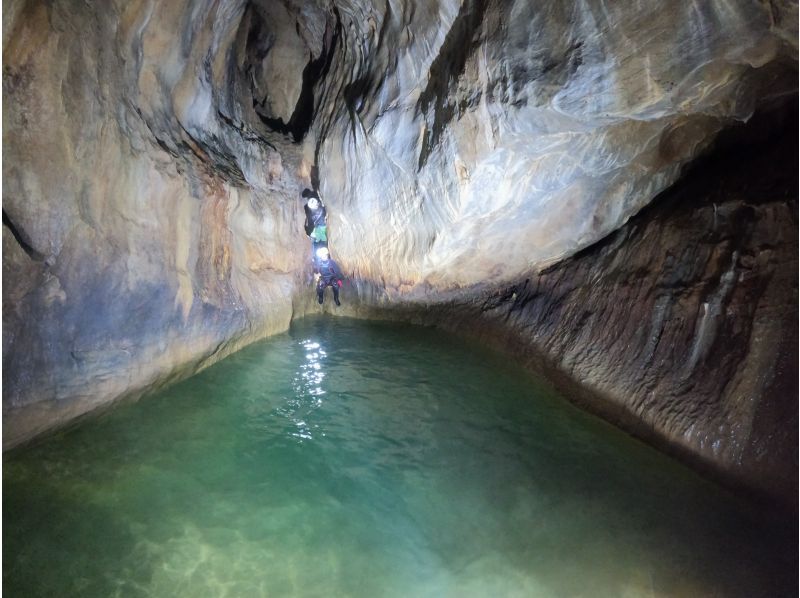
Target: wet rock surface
point(148, 230)
point(530, 131)
point(154, 155)
point(680, 327)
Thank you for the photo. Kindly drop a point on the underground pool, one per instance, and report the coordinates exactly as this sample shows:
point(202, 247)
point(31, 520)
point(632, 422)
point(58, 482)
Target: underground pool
point(352, 458)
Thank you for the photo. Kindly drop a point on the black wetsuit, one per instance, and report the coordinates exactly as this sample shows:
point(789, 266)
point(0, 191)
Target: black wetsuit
point(314, 218)
point(329, 276)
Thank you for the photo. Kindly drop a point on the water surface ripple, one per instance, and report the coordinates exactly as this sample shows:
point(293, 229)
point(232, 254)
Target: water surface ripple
point(364, 459)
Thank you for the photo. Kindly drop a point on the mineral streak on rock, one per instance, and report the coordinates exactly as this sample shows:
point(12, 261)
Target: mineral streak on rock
point(154, 153)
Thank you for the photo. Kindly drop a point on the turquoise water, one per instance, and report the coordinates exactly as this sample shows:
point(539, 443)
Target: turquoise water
point(363, 459)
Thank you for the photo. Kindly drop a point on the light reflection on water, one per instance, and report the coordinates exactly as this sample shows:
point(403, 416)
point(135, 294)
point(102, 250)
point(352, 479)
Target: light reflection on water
point(308, 393)
point(355, 459)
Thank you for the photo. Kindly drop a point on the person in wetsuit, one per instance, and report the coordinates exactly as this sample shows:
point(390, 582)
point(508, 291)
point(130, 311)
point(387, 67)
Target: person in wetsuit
point(316, 224)
point(329, 275)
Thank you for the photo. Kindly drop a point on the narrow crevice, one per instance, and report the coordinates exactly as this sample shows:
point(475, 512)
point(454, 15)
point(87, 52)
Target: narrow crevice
point(22, 239)
point(315, 71)
point(336, 35)
point(303, 114)
point(445, 69)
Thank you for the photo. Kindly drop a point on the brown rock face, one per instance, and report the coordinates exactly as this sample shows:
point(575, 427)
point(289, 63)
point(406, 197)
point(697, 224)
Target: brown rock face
point(686, 319)
point(149, 229)
point(681, 327)
point(154, 154)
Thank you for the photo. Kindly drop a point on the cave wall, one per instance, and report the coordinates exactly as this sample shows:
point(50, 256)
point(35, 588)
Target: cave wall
point(681, 327)
point(154, 154)
point(531, 134)
point(529, 130)
point(148, 228)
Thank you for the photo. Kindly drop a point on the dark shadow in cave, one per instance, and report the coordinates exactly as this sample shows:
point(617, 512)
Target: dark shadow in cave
point(314, 72)
point(22, 239)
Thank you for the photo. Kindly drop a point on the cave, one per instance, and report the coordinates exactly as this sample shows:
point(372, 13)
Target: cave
point(605, 194)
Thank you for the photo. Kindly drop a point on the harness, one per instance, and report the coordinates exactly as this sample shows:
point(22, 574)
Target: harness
point(327, 271)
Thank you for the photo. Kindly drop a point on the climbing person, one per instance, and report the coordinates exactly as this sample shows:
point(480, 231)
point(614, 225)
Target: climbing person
point(329, 275)
point(316, 224)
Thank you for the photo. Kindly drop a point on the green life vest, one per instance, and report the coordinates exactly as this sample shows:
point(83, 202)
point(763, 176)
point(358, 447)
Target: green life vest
point(320, 233)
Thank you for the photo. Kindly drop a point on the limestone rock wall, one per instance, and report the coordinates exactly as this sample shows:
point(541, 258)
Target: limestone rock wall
point(154, 153)
point(528, 133)
point(469, 142)
point(150, 226)
point(681, 327)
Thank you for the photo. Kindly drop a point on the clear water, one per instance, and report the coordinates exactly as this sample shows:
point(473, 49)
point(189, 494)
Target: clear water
point(362, 459)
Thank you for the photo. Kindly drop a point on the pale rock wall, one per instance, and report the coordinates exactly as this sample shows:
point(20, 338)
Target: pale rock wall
point(158, 236)
point(682, 326)
point(154, 153)
point(508, 135)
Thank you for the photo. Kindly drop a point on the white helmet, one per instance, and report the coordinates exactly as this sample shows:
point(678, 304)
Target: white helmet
point(322, 253)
